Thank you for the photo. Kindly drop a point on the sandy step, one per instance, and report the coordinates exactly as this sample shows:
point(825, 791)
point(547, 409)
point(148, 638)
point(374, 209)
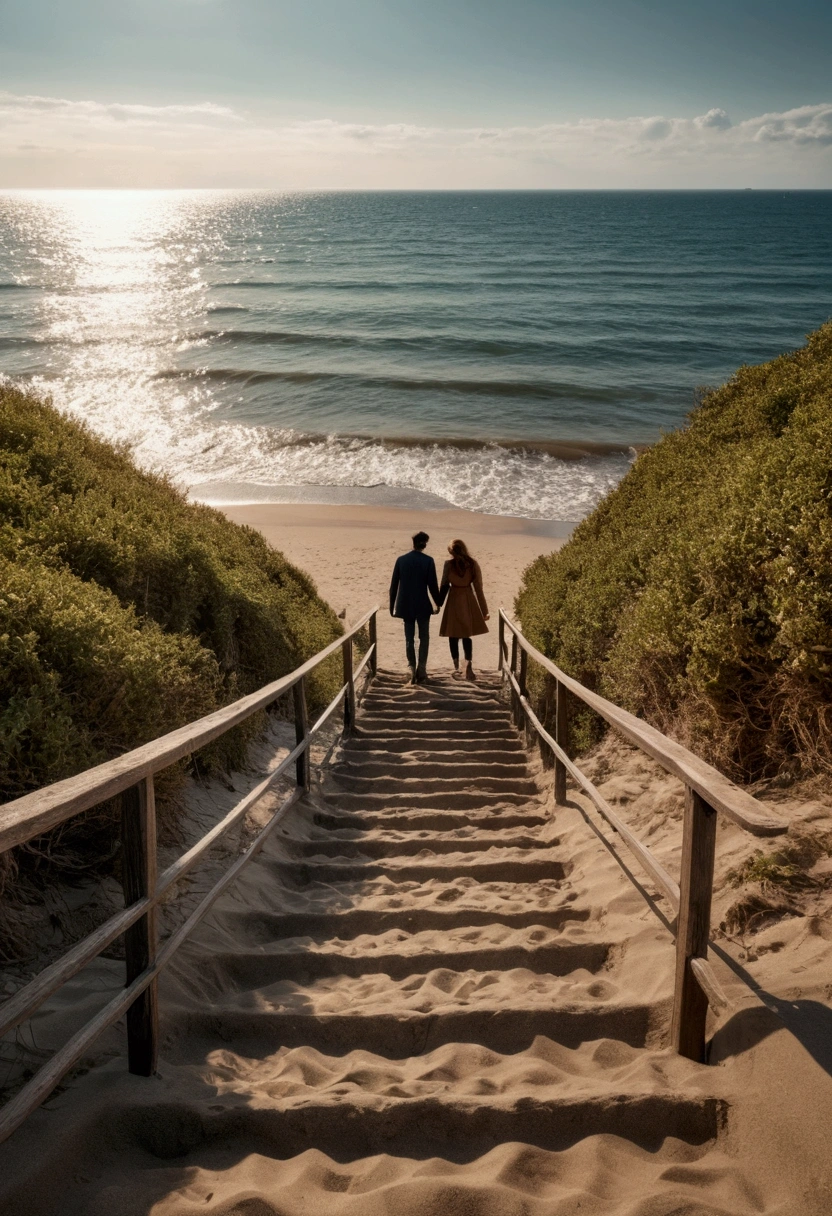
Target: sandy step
point(263, 927)
point(449, 707)
point(445, 680)
point(458, 1131)
point(398, 1033)
point(433, 820)
point(433, 719)
point(457, 765)
point(462, 711)
point(438, 694)
point(438, 801)
point(509, 746)
point(302, 961)
point(423, 784)
point(386, 844)
point(526, 869)
point(458, 740)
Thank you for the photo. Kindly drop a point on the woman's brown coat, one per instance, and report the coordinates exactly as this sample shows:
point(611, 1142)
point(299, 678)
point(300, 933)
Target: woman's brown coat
point(466, 606)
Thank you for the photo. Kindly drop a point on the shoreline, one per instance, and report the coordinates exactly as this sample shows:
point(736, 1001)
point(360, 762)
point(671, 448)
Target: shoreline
point(349, 551)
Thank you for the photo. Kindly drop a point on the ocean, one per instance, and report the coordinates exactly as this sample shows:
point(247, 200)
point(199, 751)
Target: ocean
point(506, 352)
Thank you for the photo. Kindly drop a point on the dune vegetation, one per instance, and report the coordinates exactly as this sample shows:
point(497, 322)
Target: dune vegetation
point(699, 593)
point(125, 612)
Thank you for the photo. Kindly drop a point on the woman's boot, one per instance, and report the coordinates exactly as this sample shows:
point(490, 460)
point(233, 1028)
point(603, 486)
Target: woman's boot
point(469, 670)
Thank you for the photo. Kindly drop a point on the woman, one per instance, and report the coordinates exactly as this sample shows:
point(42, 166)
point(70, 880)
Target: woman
point(466, 610)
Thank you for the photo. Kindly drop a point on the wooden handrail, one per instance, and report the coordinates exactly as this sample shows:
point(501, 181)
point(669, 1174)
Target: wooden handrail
point(707, 791)
point(720, 792)
point(640, 851)
point(36, 813)
point(40, 1087)
point(132, 776)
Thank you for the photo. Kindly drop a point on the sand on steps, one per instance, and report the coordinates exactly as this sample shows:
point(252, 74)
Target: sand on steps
point(431, 1030)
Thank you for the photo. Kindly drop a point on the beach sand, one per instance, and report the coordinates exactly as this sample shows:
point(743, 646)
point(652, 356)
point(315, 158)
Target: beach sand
point(349, 551)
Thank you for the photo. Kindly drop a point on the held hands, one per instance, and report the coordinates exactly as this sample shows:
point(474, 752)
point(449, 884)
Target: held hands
point(486, 616)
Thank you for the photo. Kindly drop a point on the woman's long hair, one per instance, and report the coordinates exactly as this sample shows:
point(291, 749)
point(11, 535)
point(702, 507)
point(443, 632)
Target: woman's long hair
point(460, 557)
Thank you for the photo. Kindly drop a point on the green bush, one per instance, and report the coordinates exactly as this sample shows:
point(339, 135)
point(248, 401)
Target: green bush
point(125, 611)
point(699, 593)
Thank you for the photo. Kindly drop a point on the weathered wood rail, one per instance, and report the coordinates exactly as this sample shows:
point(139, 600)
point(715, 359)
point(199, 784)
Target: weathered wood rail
point(131, 777)
point(707, 793)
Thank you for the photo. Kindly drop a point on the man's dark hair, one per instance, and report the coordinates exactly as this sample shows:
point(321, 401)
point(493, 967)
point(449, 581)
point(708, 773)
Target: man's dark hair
point(420, 540)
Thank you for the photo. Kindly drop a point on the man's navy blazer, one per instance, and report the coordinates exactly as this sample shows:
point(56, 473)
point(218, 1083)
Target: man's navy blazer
point(414, 575)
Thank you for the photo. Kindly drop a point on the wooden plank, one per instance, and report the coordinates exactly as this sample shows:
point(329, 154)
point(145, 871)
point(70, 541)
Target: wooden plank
point(368, 658)
point(373, 630)
point(522, 674)
point(38, 812)
point(715, 787)
point(547, 756)
point(562, 739)
point(690, 1004)
point(640, 851)
point(302, 766)
point(40, 1087)
point(138, 877)
point(512, 670)
point(710, 985)
point(24, 1002)
point(349, 680)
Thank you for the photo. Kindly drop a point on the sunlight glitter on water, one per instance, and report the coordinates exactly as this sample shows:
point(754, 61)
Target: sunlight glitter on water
point(250, 337)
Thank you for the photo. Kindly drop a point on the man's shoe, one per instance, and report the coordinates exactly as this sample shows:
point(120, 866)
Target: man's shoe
point(412, 671)
point(421, 675)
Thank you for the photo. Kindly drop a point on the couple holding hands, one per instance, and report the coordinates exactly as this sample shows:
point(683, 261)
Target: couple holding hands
point(412, 588)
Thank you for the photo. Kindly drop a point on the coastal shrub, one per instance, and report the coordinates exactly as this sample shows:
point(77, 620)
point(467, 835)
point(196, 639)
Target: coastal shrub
point(126, 611)
point(699, 593)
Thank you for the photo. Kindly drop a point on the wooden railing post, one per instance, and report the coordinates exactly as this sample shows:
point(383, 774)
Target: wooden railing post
point(349, 680)
point(138, 876)
point(549, 700)
point(501, 642)
point(373, 627)
point(690, 1005)
point(521, 680)
point(302, 764)
point(562, 739)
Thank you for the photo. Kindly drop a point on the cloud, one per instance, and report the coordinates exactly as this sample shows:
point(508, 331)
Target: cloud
point(715, 119)
point(805, 125)
point(656, 128)
point(28, 108)
point(118, 143)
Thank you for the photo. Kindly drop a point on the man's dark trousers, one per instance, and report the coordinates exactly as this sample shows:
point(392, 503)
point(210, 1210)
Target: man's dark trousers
point(410, 624)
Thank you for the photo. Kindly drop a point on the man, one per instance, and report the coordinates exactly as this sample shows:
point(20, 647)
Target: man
point(414, 575)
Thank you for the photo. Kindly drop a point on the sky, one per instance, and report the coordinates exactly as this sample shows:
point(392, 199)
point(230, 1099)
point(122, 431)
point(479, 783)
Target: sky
point(416, 94)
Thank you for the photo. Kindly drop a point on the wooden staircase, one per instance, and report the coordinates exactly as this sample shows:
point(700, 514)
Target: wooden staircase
point(419, 997)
